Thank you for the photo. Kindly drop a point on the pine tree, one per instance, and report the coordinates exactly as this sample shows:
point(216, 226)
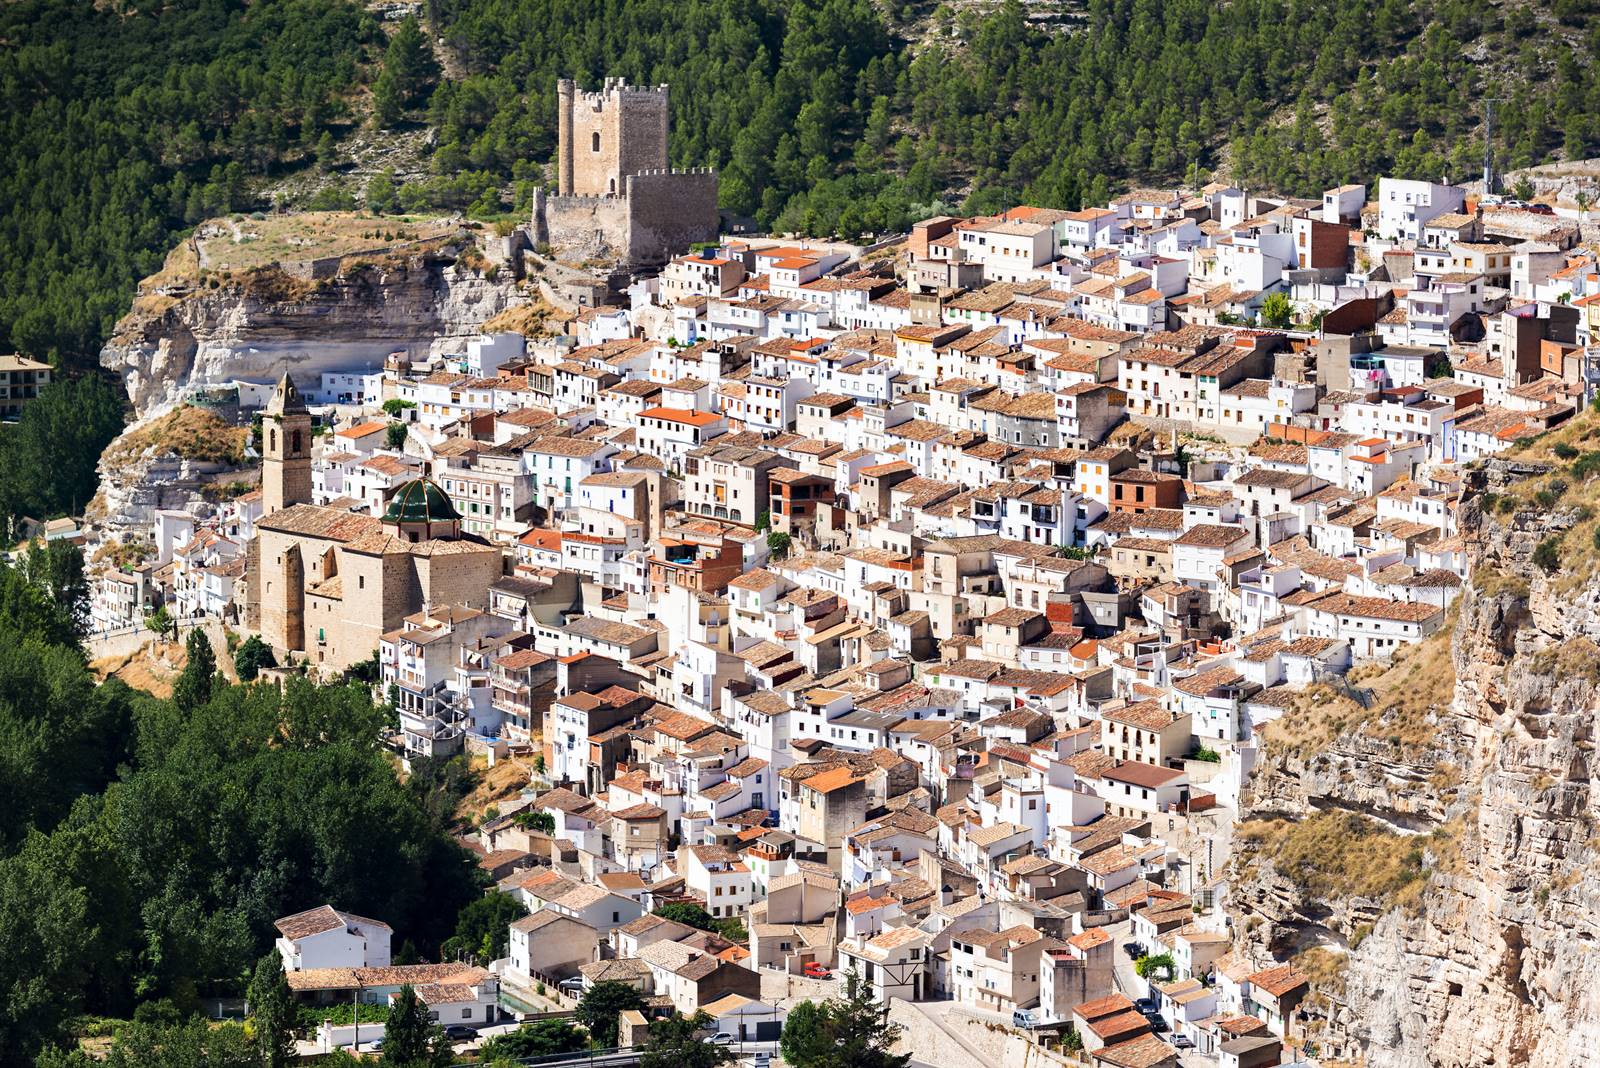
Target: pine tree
point(193, 687)
point(387, 102)
point(410, 61)
point(677, 1042)
point(382, 196)
point(852, 1032)
point(272, 1010)
point(410, 1040)
point(861, 1029)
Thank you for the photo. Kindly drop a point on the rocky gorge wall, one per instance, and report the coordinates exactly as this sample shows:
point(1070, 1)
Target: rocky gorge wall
point(211, 330)
point(1485, 951)
point(258, 325)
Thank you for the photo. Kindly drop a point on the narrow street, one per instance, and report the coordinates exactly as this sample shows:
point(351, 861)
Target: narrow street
point(1127, 980)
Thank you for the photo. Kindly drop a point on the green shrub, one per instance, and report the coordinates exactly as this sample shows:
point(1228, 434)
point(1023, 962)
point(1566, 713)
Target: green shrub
point(1587, 465)
point(310, 1017)
point(1564, 451)
point(1547, 557)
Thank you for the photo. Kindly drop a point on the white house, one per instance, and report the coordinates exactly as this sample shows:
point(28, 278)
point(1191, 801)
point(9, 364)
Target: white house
point(324, 937)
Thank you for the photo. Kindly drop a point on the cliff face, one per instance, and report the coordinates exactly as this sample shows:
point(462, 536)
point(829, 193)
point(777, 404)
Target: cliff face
point(1486, 953)
point(257, 325)
point(192, 328)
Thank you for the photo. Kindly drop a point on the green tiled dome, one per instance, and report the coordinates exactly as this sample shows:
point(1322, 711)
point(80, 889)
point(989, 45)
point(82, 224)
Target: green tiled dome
point(420, 501)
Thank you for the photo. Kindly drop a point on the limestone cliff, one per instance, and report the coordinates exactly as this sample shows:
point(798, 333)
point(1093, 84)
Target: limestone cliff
point(214, 314)
point(189, 460)
point(192, 328)
point(1429, 855)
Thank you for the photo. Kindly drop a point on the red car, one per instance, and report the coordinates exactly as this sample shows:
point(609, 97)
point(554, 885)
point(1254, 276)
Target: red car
point(817, 971)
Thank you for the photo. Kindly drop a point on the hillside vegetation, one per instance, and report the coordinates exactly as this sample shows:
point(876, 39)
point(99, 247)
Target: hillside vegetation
point(149, 843)
point(125, 124)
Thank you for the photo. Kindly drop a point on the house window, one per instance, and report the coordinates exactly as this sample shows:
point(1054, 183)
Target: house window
point(466, 1014)
point(594, 141)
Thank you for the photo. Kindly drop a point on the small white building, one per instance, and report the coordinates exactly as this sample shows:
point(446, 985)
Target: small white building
point(324, 937)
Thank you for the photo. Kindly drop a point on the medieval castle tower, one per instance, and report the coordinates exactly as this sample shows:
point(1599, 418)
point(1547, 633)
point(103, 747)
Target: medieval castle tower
point(606, 136)
point(616, 196)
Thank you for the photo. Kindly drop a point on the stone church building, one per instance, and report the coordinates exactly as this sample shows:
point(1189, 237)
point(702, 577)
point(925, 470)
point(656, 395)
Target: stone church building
point(617, 197)
point(327, 583)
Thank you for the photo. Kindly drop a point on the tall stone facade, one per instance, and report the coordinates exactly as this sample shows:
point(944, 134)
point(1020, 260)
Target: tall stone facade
point(606, 136)
point(332, 582)
point(617, 199)
point(286, 449)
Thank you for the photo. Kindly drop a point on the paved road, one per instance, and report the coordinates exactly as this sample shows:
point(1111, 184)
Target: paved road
point(934, 1012)
point(1127, 980)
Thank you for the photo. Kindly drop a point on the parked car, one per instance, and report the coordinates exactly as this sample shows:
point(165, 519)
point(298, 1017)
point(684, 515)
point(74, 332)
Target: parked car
point(817, 971)
point(1024, 1019)
point(722, 1038)
point(1147, 1005)
point(1158, 1023)
point(1133, 949)
point(1183, 1042)
point(460, 1032)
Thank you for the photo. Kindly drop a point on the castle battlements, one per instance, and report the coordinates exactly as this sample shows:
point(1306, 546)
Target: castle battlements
point(611, 89)
point(616, 192)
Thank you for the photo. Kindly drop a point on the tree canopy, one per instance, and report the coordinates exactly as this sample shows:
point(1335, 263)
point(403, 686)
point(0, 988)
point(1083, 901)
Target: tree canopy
point(410, 1039)
point(599, 1006)
point(272, 1011)
point(821, 115)
point(849, 1032)
point(48, 457)
point(483, 928)
point(146, 849)
point(678, 1042)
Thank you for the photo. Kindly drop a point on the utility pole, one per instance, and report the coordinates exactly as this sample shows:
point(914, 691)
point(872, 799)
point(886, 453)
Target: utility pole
point(1488, 143)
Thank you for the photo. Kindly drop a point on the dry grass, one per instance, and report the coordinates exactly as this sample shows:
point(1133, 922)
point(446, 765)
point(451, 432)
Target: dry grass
point(120, 554)
point(1493, 582)
point(241, 243)
point(1581, 432)
point(502, 782)
point(536, 319)
point(188, 432)
point(1576, 657)
point(1572, 484)
point(1407, 695)
point(153, 668)
point(1324, 967)
point(181, 267)
point(1339, 855)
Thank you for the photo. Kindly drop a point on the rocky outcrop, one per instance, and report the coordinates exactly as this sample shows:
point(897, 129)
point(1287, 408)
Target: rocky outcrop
point(1496, 961)
point(131, 494)
point(257, 325)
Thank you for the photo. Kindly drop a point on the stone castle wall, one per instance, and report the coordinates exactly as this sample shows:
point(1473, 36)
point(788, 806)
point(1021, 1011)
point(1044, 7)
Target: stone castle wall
point(669, 211)
point(658, 216)
point(582, 227)
point(616, 198)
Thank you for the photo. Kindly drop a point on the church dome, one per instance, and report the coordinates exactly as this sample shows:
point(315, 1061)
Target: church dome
point(420, 501)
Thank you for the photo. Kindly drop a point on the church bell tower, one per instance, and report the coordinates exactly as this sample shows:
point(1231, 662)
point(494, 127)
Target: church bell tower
point(285, 450)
